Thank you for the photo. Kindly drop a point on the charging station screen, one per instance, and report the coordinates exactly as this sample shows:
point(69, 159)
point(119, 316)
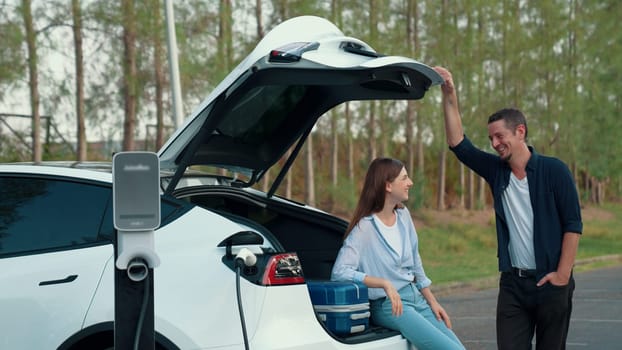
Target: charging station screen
point(136, 192)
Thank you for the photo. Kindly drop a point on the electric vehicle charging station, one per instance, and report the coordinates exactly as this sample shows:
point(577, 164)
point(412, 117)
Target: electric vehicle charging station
point(136, 207)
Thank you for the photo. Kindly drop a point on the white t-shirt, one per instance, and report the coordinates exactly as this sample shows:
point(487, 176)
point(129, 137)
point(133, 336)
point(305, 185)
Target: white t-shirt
point(519, 216)
point(391, 234)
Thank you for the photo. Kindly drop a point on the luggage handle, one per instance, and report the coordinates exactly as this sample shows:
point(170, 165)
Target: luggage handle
point(357, 329)
point(342, 308)
point(360, 316)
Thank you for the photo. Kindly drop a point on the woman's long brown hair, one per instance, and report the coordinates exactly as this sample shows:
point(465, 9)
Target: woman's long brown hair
point(371, 200)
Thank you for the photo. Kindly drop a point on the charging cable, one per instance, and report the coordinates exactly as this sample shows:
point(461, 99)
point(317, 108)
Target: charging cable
point(138, 271)
point(244, 258)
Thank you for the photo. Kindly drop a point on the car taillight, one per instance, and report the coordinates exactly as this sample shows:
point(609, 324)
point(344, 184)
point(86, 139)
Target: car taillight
point(291, 52)
point(283, 269)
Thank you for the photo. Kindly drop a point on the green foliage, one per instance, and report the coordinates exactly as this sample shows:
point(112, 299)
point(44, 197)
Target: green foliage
point(418, 193)
point(458, 252)
point(601, 231)
point(13, 150)
point(11, 52)
point(343, 197)
point(559, 61)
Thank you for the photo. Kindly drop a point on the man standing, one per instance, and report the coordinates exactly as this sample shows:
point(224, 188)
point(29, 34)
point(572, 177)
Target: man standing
point(538, 222)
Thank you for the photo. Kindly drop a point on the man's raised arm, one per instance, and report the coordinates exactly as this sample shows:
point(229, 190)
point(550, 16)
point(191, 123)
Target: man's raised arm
point(453, 123)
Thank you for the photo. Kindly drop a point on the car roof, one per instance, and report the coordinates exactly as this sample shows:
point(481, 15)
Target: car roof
point(270, 102)
point(96, 171)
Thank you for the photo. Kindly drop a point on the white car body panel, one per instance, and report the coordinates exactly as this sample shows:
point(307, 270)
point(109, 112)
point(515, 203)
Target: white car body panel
point(57, 310)
point(291, 324)
point(77, 173)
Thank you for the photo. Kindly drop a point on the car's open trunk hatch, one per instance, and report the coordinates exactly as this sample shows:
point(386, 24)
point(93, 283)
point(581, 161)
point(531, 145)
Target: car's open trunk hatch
point(251, 125)
point(314, 236)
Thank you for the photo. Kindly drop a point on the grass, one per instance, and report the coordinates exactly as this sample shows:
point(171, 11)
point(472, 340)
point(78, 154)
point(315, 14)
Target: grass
point(461, 246)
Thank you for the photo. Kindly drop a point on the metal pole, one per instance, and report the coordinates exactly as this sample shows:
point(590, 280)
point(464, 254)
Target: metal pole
point(172, 62)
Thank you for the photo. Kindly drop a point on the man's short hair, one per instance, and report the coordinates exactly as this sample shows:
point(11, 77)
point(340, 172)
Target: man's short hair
point(512, 117)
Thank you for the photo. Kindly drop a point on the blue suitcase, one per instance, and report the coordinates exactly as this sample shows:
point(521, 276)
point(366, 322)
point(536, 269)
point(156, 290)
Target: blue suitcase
point(342, 306)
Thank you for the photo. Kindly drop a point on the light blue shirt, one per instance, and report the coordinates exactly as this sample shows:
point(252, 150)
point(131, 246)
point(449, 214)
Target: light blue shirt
point(366, 252)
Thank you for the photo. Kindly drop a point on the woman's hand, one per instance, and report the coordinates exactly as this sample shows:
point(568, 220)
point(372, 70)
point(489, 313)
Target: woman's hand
point(441, 314)
point(394, 297)
point(396, 302)
point(437, 309)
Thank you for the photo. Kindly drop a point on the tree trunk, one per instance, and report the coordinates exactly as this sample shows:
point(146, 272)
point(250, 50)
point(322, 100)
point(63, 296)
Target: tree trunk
point(411, 44)
point(461, 193)
point(225, 41)
point(373, 34)
point(265, 182)
point(129, 74)
point(258, 15)
point(471, 189)
point(82, 151)
point(335, 13)
point(288, 178)
point(371, 130)
point(281, 10)
point(309, 173)
point(410, 143)
point(334, 165)
point(334, 159)
point(420, 178)
point(350, 143)
point(385, 129)
point(482, 192)
point(576, 176)
point(442, 166)
point(597, 193)
point(33, 80)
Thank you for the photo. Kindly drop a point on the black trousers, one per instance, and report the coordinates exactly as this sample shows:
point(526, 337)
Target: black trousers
point(523, 308)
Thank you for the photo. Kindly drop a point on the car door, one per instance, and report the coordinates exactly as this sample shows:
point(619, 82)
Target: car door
point(52, 255)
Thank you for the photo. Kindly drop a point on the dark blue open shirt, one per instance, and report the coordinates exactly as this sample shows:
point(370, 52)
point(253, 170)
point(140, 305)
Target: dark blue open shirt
point(553, 196)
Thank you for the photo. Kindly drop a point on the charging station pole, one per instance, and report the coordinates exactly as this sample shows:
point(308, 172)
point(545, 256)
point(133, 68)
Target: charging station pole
point(128, 296)
point(136, 207)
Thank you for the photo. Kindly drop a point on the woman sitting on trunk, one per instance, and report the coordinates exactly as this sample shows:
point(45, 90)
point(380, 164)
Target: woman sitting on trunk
point(380, 249)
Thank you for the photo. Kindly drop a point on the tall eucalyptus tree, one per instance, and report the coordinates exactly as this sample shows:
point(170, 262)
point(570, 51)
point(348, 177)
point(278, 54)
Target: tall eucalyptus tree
point(11, 55)
point(82, 149)
point(335, 15)
point(33, 79)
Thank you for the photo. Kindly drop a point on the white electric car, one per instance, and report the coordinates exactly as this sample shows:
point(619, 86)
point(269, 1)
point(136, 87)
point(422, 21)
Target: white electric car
point(57, 258)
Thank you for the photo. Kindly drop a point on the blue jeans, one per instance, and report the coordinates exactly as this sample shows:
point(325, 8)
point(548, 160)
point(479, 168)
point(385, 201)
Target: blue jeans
point(417, 323)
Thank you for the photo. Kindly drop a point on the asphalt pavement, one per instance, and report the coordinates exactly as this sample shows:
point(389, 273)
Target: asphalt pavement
point(596, 321)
